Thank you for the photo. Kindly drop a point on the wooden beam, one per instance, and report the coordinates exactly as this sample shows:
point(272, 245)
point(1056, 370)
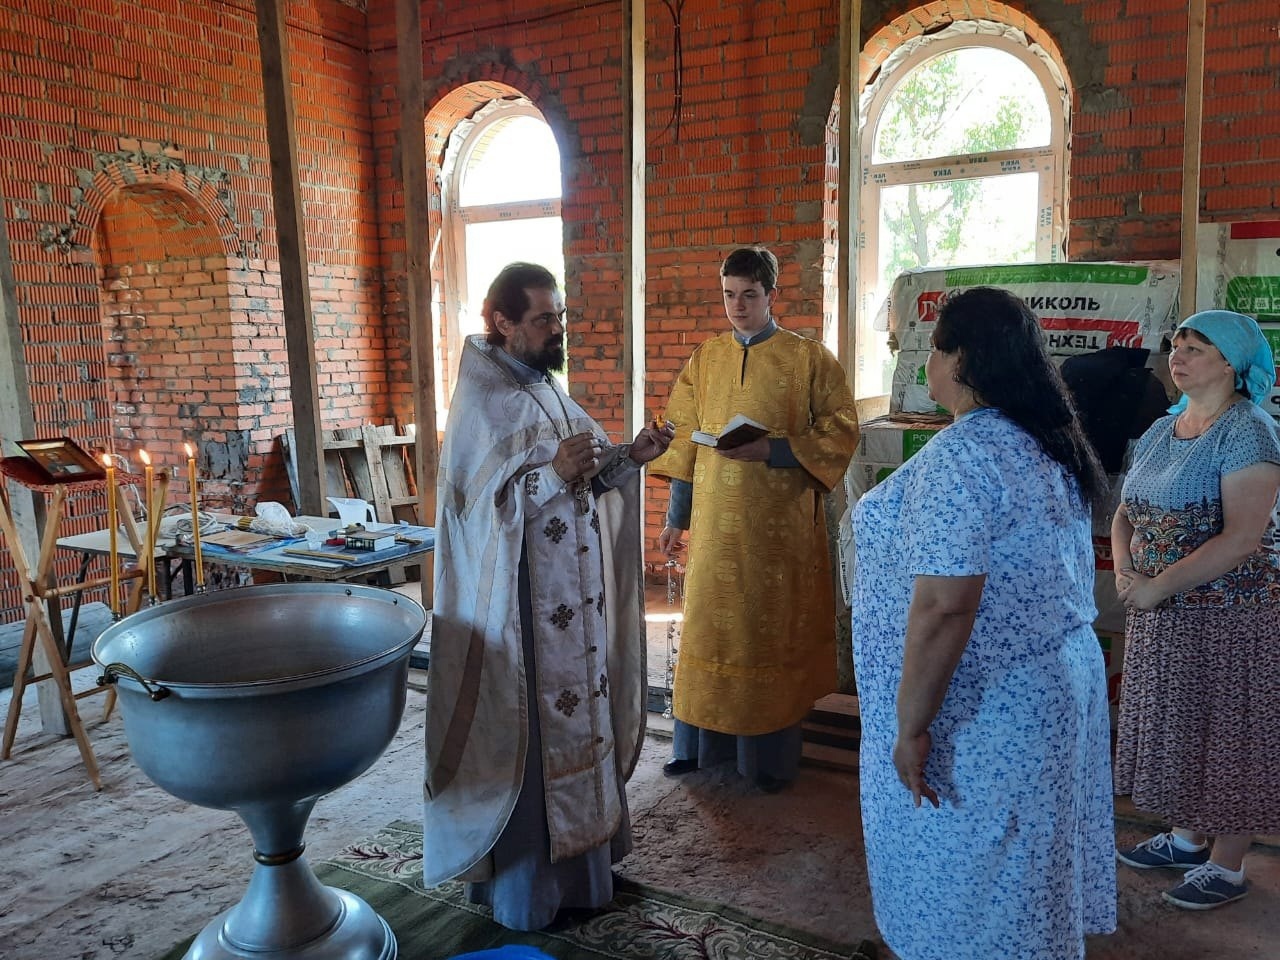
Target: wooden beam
point(17, 421)
point(417, 265)
point(286, 197)
point(847, 191)
point(1193, 109)
point(633, 215)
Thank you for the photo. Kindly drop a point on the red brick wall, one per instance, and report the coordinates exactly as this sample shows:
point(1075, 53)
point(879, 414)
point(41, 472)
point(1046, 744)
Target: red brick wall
point(567, 59)
point(1127, 145)
point(135, 179)
point(1126, 61)
point(82, 112)
point(745, 165)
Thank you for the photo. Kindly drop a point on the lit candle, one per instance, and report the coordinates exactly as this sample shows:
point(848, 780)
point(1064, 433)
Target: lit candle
point(195, 513)
point(148, 495)
point(113, 552)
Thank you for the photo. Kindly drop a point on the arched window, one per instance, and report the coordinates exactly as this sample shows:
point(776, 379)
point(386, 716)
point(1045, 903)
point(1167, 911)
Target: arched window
point(501, 200)
point(963, 162)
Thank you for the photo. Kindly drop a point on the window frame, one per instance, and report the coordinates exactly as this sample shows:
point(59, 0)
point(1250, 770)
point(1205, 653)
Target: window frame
point(1049, 161)
point(467, 137)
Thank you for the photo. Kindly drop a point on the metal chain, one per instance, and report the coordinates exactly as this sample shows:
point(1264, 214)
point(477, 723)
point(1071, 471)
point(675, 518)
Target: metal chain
point(675, 587)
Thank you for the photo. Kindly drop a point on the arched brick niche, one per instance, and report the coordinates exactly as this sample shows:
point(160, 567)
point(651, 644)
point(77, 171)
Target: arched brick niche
point(181, 317)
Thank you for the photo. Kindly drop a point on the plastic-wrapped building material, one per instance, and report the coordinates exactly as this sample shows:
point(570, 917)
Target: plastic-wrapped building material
point(1238, 268)
point(1083, 308)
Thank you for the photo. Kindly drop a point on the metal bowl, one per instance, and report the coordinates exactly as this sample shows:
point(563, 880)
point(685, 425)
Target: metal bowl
point(265, 694)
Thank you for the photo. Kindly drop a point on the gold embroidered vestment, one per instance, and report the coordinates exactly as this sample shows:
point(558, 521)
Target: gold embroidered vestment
point(758, 642)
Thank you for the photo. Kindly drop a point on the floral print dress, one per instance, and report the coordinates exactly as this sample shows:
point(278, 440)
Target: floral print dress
point(1199, 732)
point(1018, 862)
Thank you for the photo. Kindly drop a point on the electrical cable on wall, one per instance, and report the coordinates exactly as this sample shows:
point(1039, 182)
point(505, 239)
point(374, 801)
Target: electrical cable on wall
point(676, 9)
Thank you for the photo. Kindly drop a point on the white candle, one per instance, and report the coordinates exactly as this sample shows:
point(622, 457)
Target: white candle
point(195, 513)
point(113, 552)
point(148, 483)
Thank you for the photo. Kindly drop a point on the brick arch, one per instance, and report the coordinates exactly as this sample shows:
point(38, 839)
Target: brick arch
point(463, 89)
point(455, 106)
point(164, 268)
point(149, 223)
point(448, 108)
point(168, 192)
point(879, 45)
point(934, 16)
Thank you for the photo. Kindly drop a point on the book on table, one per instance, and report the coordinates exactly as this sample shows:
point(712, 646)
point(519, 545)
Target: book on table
point(736, 432)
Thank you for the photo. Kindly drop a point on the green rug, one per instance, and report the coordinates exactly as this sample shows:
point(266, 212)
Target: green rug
point(642, 923)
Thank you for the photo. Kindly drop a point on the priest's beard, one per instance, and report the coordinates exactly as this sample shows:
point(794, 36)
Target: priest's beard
point(550, 359)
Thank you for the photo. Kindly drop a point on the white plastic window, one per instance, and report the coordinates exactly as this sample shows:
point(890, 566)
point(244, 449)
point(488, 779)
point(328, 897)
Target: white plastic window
point(501, 191)
point(963, 162)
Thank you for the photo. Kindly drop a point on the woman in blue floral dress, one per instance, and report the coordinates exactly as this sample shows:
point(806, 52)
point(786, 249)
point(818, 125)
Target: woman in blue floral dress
point(981, 682)
point(1198, 565)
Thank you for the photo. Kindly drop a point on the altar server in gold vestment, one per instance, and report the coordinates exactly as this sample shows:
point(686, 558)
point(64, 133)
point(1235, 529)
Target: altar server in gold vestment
point(758, 643)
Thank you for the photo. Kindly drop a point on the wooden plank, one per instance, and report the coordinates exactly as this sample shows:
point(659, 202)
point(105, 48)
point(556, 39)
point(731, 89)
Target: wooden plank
point(295, 291)
point(17, 419)
point(413, 167)
point(335, 478)
point(355, 462)
point(634, 414)
point(849, 89)
point(393, 465)
point(290, 466)
point(391, 498)
point(1191, 137)
point(377, 473)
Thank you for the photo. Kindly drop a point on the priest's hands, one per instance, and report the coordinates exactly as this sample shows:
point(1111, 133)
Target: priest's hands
point(576, 457)
point(652, 441)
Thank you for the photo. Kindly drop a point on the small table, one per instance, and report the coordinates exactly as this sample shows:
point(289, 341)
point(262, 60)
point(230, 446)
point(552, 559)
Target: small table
point(276, 560)
point(97, 543)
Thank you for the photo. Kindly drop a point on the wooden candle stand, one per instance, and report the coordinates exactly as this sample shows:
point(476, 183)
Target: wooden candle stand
point(41, 592)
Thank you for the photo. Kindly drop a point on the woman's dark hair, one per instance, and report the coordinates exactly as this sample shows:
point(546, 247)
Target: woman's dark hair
point(508, 294)
point(1004, 361)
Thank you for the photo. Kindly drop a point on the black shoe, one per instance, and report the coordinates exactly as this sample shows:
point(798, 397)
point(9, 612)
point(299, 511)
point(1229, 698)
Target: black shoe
point(771, 784)
point(678, 768)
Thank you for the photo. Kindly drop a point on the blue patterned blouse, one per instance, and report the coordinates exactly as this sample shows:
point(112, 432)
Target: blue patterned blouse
point(1173, 497)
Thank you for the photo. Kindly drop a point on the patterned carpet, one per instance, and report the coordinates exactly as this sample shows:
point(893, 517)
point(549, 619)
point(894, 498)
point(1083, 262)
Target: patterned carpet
point(641, 924)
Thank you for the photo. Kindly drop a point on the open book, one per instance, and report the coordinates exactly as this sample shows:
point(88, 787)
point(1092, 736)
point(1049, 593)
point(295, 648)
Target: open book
point(736, 432)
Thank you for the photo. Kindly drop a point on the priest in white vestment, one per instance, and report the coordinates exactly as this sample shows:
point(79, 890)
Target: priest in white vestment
point(536, 687)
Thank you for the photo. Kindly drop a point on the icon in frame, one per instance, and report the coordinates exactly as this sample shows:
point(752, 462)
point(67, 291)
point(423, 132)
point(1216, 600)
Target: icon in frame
point(62, 460)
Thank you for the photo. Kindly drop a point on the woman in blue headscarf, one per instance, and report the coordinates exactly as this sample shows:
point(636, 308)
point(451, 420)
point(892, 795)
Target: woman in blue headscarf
point(1198, 566)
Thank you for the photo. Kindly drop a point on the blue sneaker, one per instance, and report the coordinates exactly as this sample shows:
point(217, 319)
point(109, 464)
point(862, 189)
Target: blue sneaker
point(1161, 851)
point(1204, 888)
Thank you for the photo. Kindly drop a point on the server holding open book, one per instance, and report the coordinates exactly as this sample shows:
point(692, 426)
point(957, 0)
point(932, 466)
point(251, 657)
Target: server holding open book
point(765, 426)
point(736, 433)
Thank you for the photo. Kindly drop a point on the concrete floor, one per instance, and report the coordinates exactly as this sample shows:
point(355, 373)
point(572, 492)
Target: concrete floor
point(129, 871)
